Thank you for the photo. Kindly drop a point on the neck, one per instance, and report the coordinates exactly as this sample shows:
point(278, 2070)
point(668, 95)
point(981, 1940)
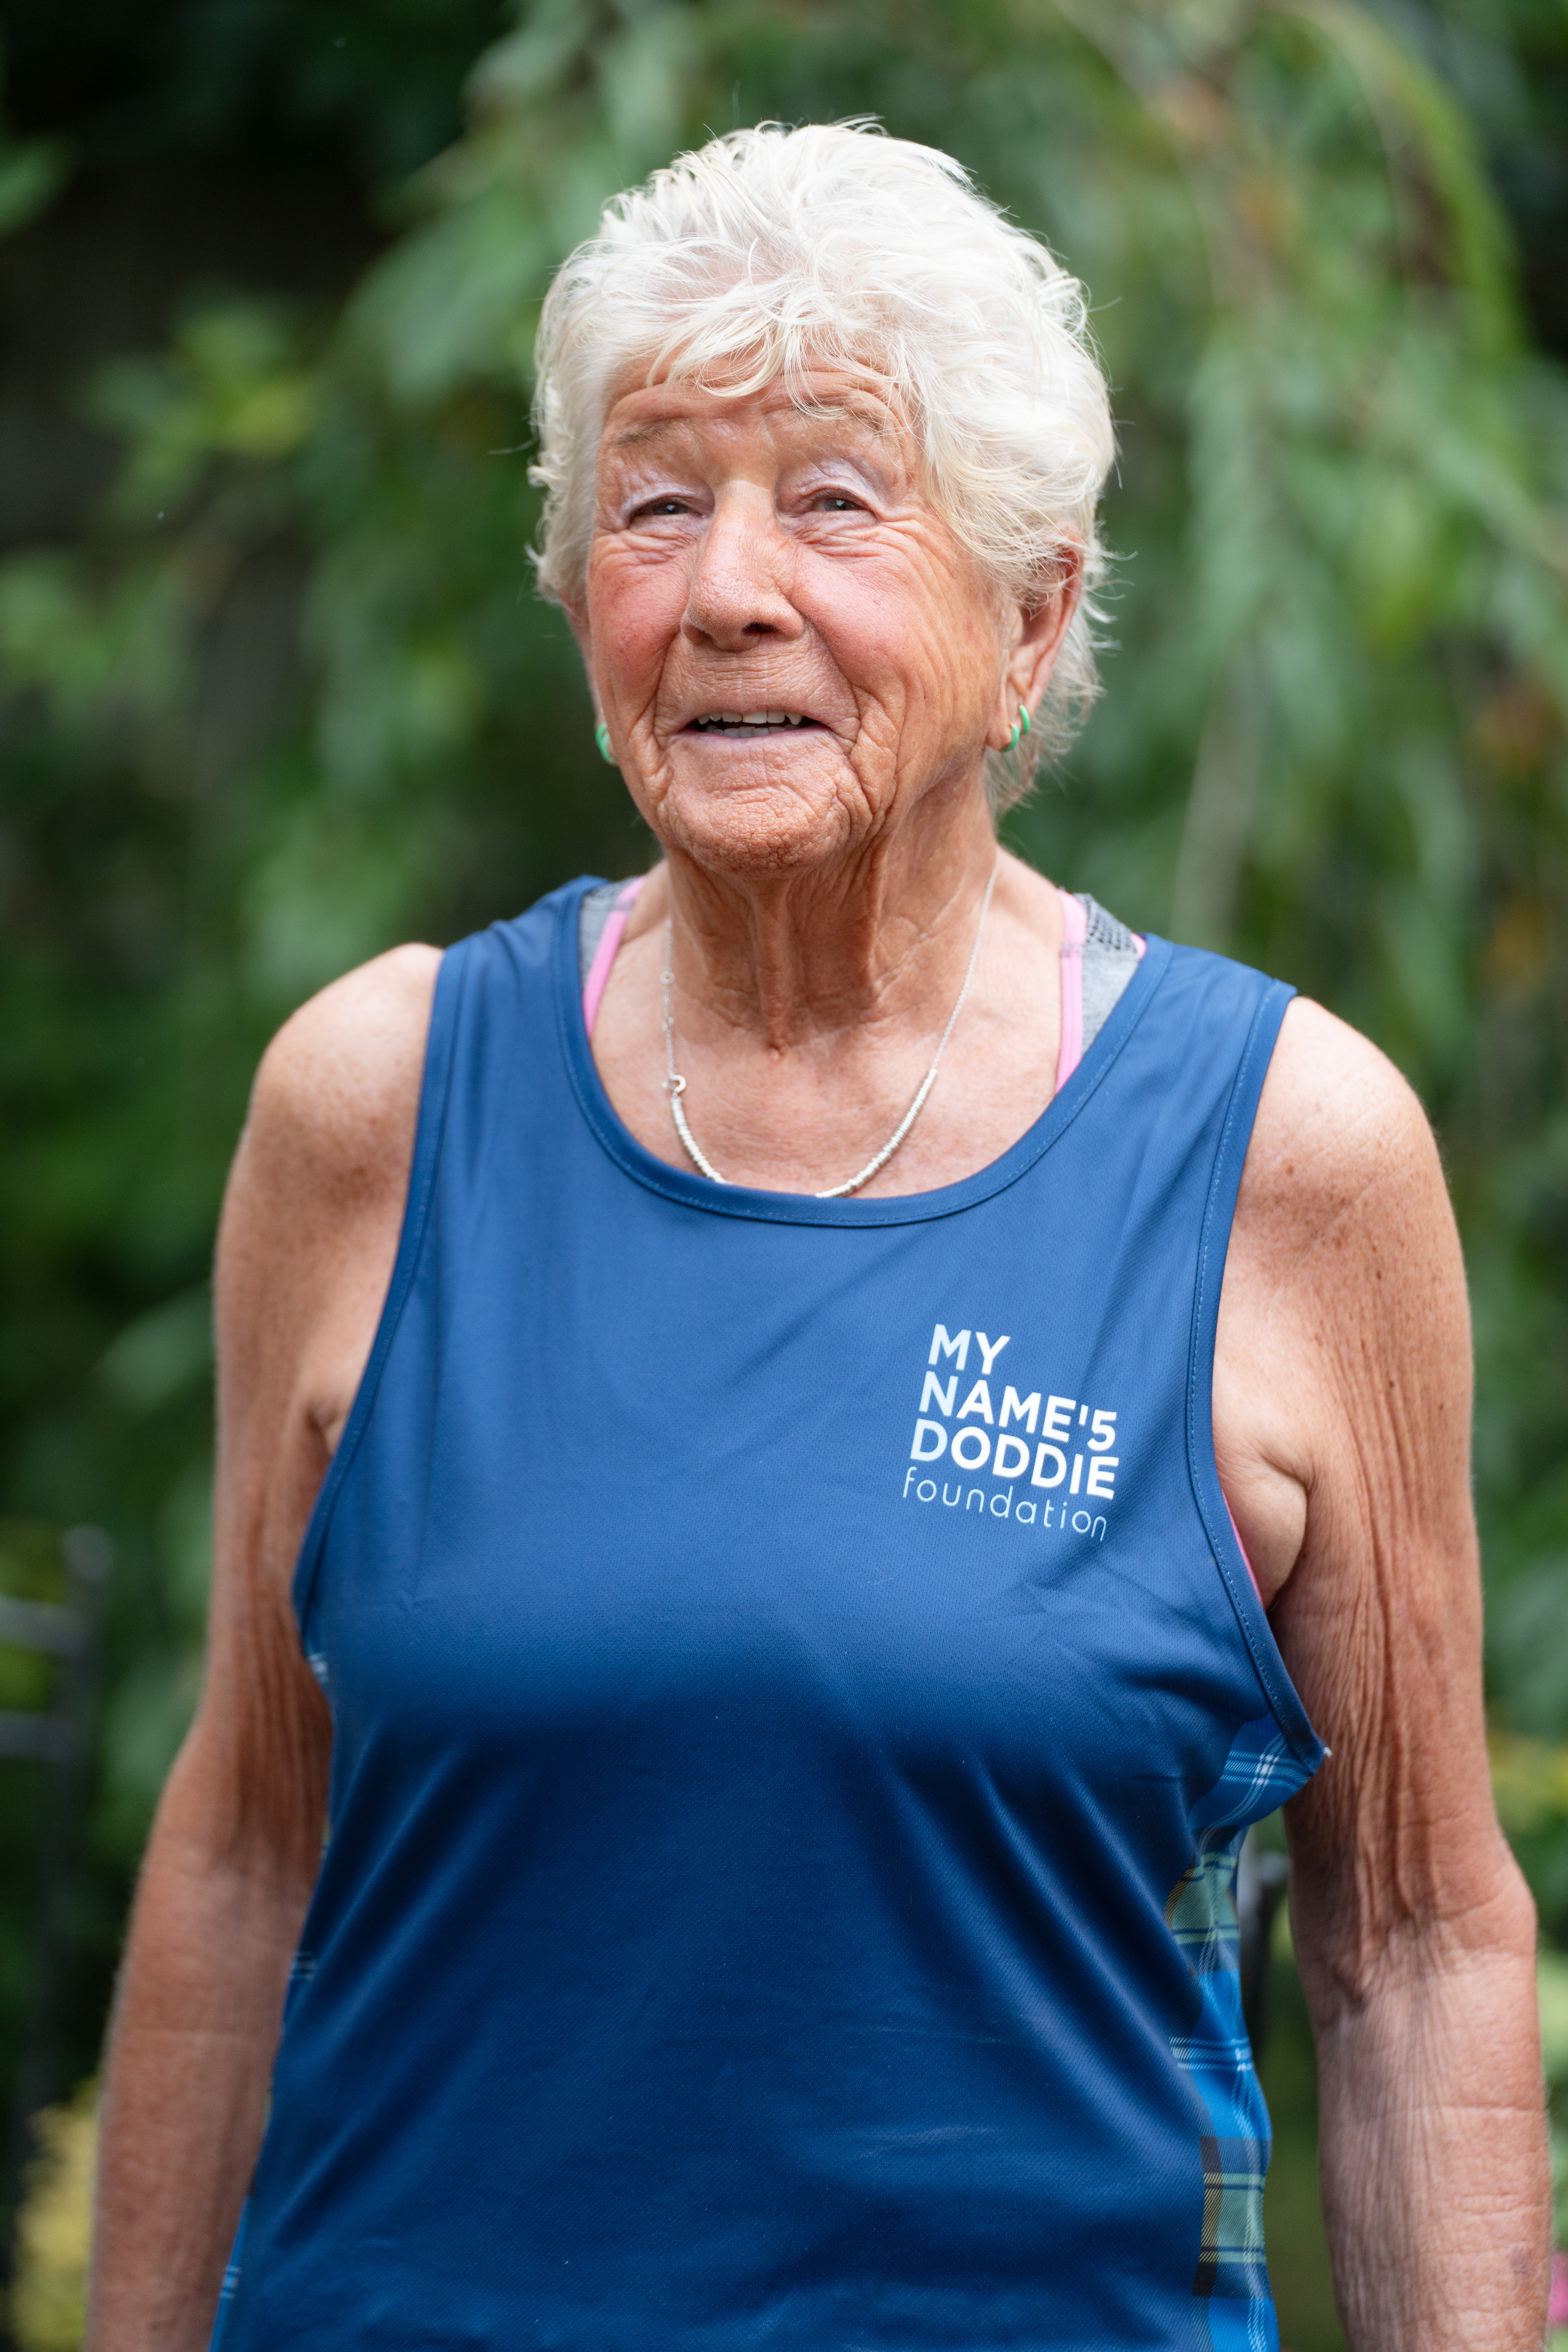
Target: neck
point(877, 936)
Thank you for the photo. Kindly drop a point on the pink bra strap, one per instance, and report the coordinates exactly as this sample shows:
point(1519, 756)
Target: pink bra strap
point(604, 953)
point(1075, 930)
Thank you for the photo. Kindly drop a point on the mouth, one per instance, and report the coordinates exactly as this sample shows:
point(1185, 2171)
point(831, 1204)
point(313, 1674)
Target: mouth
point(744, 724)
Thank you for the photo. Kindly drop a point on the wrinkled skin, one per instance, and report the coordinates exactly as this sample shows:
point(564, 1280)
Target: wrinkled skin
point(823, 885)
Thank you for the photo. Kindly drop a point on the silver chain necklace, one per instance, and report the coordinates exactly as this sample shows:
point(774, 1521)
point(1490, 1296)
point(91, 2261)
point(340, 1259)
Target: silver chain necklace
point(675, 1085)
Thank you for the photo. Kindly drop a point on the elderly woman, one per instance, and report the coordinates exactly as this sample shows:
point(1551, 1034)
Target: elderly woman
point(848, 1425)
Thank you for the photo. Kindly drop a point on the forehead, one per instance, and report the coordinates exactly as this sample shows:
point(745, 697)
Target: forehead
point(852, 409)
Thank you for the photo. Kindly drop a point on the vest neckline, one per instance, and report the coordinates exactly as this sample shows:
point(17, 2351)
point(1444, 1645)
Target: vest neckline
point(692, 1190)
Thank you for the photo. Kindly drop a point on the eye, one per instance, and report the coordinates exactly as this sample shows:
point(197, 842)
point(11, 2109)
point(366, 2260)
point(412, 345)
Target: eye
point(653, 509)
point(838, 502)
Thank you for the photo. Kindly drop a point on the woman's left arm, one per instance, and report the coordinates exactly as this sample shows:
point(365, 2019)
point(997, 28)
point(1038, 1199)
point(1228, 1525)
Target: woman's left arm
point(1342, 1416)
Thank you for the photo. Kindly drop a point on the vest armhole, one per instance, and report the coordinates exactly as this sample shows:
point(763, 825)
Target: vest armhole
point(1224, 1543)
point(434, 1090)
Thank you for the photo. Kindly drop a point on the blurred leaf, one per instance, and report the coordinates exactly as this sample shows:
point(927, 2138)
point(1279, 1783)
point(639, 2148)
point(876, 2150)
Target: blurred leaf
point(1552, 1982)
point(48, 2296)
point(32, 174)
point(1529, 1782)
point(162, 1352)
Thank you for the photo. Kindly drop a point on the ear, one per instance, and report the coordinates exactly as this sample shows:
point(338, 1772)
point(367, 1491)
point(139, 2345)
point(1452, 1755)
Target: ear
point(577, 614)
point(1037, 630)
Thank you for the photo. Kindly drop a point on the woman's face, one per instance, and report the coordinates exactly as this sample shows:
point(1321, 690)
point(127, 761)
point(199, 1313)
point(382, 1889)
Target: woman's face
point(788, 645)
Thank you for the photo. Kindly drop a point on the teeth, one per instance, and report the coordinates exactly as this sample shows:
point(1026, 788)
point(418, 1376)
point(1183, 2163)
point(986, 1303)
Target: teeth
point(752, 718)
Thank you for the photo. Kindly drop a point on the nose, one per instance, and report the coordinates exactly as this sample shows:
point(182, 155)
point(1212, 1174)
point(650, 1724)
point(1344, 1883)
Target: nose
point(740, 576)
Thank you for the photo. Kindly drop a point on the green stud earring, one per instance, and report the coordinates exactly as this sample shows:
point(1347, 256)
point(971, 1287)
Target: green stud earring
point(602, 737)
point(1020, 728)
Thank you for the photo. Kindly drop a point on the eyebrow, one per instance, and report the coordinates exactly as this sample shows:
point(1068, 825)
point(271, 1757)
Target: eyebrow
point(633, 437)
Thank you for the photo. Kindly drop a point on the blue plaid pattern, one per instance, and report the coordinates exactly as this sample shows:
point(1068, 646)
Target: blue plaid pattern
point(1232, 2307)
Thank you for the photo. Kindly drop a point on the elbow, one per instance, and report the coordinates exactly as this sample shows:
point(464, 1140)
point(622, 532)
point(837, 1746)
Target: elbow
point(1479, 1924)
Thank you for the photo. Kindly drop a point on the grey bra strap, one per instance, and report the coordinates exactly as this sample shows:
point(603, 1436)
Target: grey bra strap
point(594, 909)
point(1110, 960)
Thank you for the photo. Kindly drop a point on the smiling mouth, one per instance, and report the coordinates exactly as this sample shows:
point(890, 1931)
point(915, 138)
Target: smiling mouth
point(749, 722)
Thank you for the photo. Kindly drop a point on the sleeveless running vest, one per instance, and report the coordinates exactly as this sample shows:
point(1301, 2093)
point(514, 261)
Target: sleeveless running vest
point(797, 1697)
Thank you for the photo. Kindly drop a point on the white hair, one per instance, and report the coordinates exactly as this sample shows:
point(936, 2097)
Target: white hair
point(771, 249)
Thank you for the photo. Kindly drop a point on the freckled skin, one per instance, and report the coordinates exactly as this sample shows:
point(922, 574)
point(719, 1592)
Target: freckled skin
point(823, 886)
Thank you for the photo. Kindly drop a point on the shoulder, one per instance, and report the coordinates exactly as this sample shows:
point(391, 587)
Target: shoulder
point(1341, 1142)
point(337, 1094)
point(1343, 1354)
point(1343, 1358)
point(315, 1199)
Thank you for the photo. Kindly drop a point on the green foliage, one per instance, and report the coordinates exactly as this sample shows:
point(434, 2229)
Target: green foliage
point(48, 2297)
point(293, 699)
point(31, 171)
point(375, 83)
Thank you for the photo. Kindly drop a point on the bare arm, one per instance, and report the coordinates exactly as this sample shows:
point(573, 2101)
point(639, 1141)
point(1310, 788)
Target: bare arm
point(309, 1234)
point(1342, 1411)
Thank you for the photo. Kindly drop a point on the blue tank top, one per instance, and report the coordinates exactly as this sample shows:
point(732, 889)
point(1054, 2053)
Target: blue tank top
point(797, 1697)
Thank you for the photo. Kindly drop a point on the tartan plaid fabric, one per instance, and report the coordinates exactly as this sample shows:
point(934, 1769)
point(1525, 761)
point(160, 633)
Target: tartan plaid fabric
point(1232, 2262)
point(1232, 2308)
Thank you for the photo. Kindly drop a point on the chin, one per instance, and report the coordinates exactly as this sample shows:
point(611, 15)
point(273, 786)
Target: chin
point(763, 825)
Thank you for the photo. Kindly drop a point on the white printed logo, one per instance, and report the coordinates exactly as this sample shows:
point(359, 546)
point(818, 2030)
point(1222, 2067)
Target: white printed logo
point(1058, 1443)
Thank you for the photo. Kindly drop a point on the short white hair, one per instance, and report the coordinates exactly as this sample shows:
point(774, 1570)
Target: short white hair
point(771, 249)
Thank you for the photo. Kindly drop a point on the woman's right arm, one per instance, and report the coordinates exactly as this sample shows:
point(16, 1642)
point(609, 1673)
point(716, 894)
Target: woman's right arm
point(308, 1235)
